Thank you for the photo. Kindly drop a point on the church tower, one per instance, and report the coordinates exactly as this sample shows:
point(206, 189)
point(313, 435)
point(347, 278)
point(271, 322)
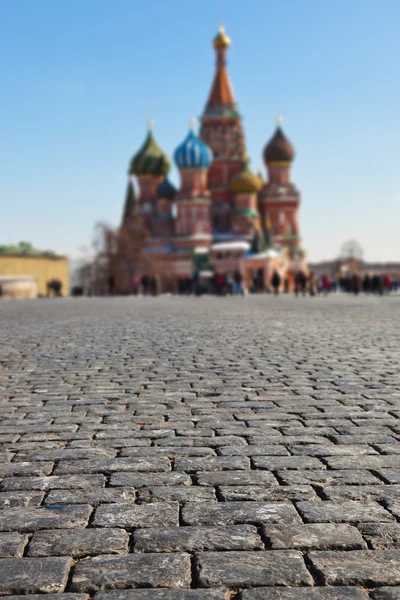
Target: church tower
point(221, 130)
point(279, 199)
point(150, 165)
point(192, 202)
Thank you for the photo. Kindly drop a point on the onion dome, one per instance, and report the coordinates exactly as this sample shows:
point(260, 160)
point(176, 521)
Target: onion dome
point(166, 190)
point(150, 159)
point(245, 182)
point(221, 40)
point(279, 149)
point(192, 153)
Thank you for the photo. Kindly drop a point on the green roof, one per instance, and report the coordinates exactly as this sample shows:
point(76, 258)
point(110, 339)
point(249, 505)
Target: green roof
point(248, 212)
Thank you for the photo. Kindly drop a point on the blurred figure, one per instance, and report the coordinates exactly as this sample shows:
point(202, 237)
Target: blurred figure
point(145, 284)
point(356, 284)
point(111, 285)
point(196, 282)
point(300, 283)
point(135, 286)
point(312, 283)
point(366, 284)
point(387, 283)
point(326, 284)
point(276, 282)
point(286, 285)
point(229, 284)
point(238, 283)
point(219, 282)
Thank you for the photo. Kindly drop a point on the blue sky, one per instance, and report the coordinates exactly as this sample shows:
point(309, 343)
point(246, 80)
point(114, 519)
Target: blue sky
point(79, 78)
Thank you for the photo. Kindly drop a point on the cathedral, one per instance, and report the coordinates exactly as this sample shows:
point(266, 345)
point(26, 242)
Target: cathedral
point(222, 217)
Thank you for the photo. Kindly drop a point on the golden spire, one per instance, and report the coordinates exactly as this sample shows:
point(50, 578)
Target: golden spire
point(192, 123)
point(221, 40)
point(279, 120)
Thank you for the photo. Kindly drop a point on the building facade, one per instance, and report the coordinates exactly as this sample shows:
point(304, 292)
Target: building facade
point(24, 275)
point(221, 211)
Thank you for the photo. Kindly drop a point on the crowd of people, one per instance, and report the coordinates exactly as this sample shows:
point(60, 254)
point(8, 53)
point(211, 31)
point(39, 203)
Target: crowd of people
point(226, 284)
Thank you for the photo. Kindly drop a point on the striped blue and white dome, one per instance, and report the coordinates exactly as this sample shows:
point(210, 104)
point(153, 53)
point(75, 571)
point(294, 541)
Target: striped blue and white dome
point(193, 153)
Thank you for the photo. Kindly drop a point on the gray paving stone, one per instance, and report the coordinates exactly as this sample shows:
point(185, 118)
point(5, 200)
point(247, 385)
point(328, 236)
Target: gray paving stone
point(268, 494)
point(14, 499)
point(50, 596)
point(163, 595)
point(363, 462)
point(361, 492)
point(236, 478)
point(78, 542)
point(93, 497)
point(351, 511)
point(12, 544)
point(138, 464)
point(314, 537)
point(270, 450)
point(226, 513)
point(166, 451)
point(33, 575)
point(337, 593)
point(245, 569)
point(178, 493)
point(327, 477)
point(391, 476)
point(274, 463)
point(142, 515)
point(44, 517)
point(194, 539)
point(333, 450)
point(386, 593)
point(133, 570)
point(367, 568)
point(25, 468)
point(381, 536)
point(52, 483)
point(149, 479)
point(217, 463)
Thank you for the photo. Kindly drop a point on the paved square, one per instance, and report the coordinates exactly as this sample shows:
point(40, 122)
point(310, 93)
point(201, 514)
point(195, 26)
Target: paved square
point(212, 448)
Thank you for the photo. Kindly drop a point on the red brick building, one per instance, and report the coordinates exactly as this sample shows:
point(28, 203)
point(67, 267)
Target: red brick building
point(222, 211)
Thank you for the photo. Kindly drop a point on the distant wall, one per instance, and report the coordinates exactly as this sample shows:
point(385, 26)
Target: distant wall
point(44, 268)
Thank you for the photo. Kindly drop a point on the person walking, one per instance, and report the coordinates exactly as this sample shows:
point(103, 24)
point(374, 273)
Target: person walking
point(387, 283)
point(238, 283)
point(326, 284)
point(356, 284)
point(276, 282)
point(366, 284)
point(312, 284)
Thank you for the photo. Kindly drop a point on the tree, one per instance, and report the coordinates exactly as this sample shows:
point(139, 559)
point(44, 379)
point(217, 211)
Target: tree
point(351, 250)
point(123, 254)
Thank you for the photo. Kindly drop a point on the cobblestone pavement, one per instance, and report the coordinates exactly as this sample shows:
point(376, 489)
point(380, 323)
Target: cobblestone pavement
point(209, 448)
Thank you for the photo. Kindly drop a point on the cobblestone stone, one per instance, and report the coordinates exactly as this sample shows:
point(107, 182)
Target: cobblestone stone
point(134, 570)
point(314, 536)
point(44, 517)
point(246, 569)
point(33, 575)
point(338, 593)
point(144, 515)
point(209, 448)
point(210, 513)
point(12, 544)
point(78, 542)
point(367, 568)
point(191, 539)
